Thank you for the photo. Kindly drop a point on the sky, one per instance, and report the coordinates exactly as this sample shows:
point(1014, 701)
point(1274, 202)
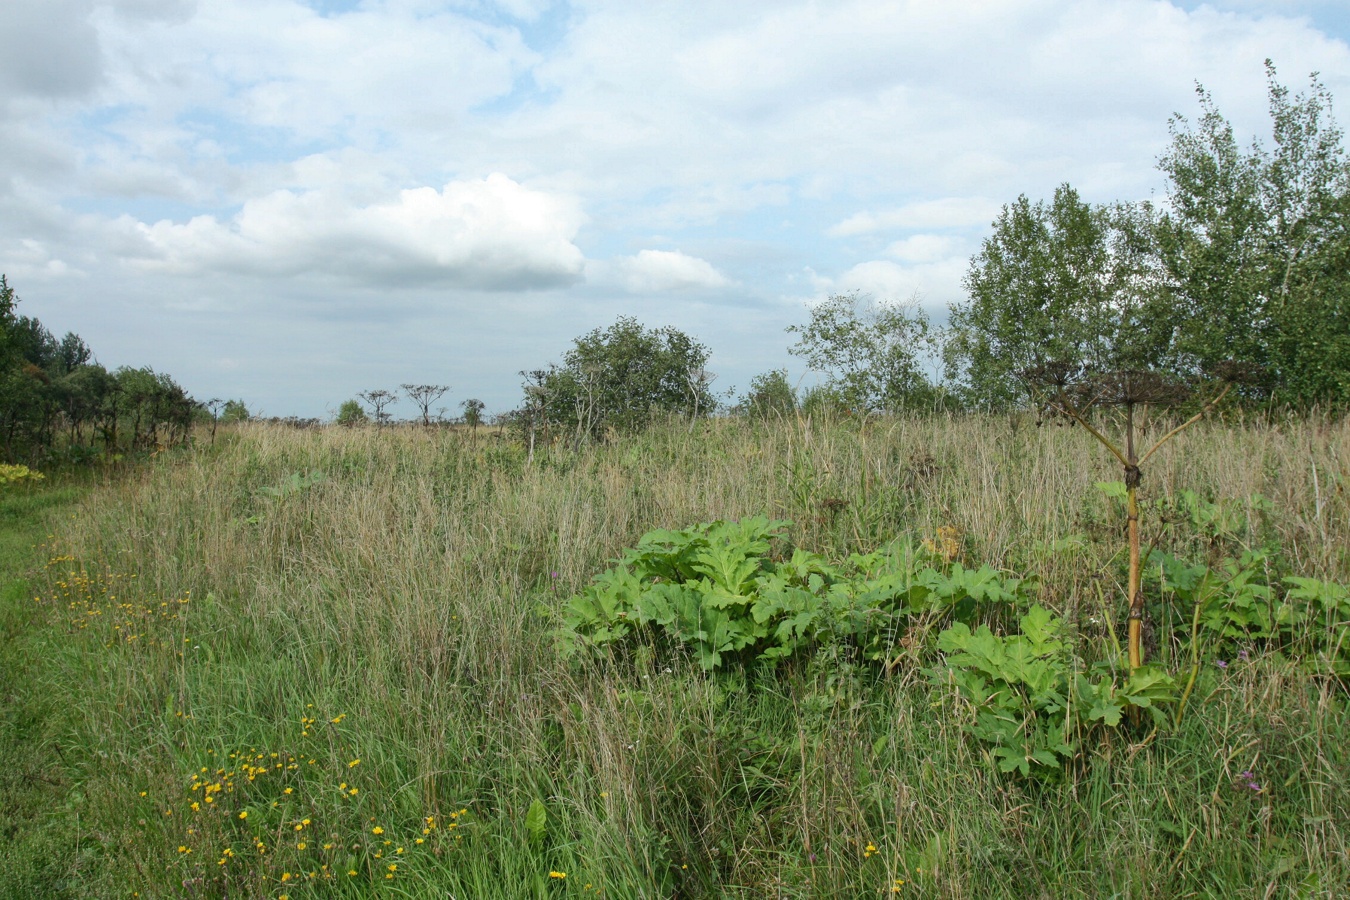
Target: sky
point(292, 201)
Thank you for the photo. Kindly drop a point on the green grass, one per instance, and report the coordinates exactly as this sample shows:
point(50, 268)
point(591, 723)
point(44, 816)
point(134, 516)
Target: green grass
point(38, 791)
point(412, 594)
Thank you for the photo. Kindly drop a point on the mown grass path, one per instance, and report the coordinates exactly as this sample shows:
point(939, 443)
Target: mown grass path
point(38, 788)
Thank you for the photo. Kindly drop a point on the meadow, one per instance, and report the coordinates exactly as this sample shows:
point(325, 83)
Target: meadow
point(344, 663)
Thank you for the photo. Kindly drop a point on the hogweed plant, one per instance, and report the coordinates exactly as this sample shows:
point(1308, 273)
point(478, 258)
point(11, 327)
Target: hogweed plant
point(1073, 392)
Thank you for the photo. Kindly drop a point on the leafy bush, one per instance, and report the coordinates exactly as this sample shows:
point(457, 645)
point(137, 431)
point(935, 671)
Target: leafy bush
point(350, 413)
point(10, 474)
point(719, 589)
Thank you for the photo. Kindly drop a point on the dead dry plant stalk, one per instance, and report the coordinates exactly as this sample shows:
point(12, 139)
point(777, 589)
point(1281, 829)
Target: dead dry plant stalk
point(1072, 394)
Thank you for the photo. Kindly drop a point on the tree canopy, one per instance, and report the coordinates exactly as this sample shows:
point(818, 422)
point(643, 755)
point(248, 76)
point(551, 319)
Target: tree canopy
point(620, 378)
point(1246, 262)
point(873, 353)
point(55, 399)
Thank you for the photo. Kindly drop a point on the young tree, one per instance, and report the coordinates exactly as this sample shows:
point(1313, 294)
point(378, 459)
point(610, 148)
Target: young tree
point(423, 395)
point(620, 378)
point(1066, 281)
point(1255, 248)
point(873, 353)
point(771, 396)
point(350, 414)
point(235, 411)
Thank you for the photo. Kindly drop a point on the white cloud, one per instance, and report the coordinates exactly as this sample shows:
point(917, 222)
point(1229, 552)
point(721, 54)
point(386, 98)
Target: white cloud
point(31, 259)
point(924, 248)
point(256, 149)
point(655, 271)
point(948, 212)
point(936, 284)
point(490, 234)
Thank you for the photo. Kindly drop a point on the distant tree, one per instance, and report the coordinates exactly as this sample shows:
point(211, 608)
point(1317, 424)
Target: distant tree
point(350, 413)
point(423, 395)
point(73, 352)
point(873, 353)
point(234, 411)
point(378, 400)
point(824, 402)
point(771, 396)
point(50, 388)
point(620, 378)
point(473, 413)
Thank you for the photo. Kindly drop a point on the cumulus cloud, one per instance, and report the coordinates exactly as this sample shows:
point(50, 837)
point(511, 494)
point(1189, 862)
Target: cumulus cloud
point(654, 271)
point(936, 284)
point(488, 234)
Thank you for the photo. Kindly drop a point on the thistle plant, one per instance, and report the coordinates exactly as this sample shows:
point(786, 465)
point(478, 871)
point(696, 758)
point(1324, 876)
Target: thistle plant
point(1072, 392)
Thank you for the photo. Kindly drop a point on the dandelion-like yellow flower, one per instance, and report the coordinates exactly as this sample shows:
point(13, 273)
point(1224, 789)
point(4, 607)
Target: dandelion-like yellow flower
point(243, 814)
point(558, 875)
point(354, 763)
point(377, 830)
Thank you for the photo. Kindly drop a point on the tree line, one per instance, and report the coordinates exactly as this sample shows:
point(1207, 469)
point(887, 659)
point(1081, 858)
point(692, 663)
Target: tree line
point(58, 403)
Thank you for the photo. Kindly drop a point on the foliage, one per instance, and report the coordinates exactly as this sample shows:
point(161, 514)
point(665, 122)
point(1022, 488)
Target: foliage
point(1029, 704)
point(234, 411)
point(771, 395)
point(473, 412)
point(719, 590)
point(1254, 248)
point(1065, 282)
point(12, 474)
point(621, 378)
point(57, 404)
point(874, 353)
point(414, 597)
point(350, 413)
point(1240, 603)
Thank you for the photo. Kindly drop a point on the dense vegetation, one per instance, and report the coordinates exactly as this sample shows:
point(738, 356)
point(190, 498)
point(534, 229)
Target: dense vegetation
point(58, 404)
point(336, 662)
point(892, 637)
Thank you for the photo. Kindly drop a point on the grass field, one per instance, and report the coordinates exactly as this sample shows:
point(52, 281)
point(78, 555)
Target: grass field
point(324, 663)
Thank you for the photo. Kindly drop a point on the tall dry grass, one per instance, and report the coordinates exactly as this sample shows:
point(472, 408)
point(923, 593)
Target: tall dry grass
point(414, 588)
